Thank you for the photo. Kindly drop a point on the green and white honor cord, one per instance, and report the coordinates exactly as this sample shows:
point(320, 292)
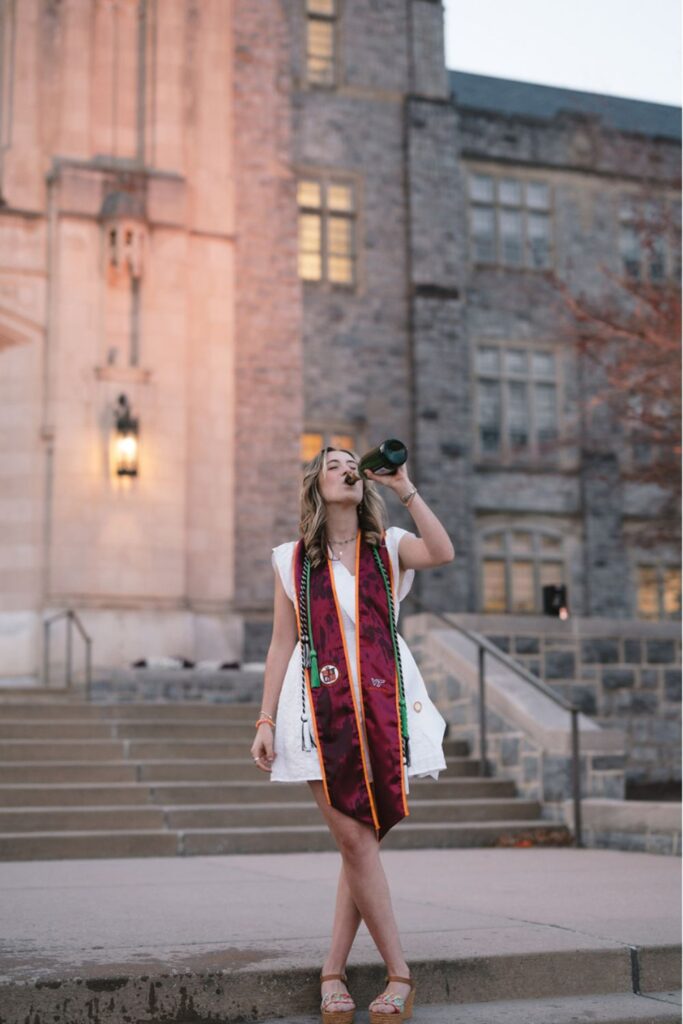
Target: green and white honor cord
point(309, 657)
point(397, 656)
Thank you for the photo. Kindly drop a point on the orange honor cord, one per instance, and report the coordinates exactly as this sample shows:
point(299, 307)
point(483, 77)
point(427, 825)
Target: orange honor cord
point(308, 686)
point(404, 768)
point(350, 677)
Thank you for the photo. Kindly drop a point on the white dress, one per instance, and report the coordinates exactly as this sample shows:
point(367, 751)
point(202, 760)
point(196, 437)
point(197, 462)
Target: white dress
point(426, 726)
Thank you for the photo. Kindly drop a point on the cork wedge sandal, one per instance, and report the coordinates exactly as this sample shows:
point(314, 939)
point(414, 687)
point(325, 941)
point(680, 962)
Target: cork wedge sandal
point(402, 1006)
point(330, 1014)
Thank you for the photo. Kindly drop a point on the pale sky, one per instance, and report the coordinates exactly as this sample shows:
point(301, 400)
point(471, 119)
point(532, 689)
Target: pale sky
point(620, 47)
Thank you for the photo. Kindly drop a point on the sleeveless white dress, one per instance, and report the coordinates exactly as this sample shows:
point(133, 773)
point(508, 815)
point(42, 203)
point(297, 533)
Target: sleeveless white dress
point(426, 726)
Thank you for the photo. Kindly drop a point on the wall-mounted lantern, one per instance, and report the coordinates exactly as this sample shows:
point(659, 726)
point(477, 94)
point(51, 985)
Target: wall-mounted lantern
point(125, 440)
point(555, 600)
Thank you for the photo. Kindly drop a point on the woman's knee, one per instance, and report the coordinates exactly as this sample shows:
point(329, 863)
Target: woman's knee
point(354, 840)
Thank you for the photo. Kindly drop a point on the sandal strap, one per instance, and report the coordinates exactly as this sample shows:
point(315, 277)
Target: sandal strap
point(390, 999)
point(396, 977)
point(333, 977)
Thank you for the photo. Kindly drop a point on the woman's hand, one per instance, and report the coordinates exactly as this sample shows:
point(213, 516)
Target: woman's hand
point(262, 748)
point(397, 481)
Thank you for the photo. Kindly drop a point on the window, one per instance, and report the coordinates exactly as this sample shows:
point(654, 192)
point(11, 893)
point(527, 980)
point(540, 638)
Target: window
point(327, 230)
point(321, 41)
point(510, 221)
point(658, 591)
point(516, 400)
point(641, 448)
point(649, 239)
point(515, 566)
point(312, 443)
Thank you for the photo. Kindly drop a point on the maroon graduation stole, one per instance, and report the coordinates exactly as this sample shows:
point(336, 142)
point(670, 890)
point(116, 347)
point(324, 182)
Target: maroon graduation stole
point(336, 718)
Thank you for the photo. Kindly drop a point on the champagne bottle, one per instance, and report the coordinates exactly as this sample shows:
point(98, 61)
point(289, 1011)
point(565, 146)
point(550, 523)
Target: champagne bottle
point(385, 458)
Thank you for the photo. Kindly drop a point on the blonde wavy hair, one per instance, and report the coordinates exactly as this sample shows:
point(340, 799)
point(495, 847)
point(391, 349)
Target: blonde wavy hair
point(372, 514)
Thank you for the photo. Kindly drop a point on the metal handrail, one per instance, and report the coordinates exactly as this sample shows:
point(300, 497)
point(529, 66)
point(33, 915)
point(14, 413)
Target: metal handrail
point(70, 615)
point(485, 646)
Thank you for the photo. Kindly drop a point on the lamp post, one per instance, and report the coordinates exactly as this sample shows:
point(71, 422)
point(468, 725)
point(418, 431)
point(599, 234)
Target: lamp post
point(126, 439)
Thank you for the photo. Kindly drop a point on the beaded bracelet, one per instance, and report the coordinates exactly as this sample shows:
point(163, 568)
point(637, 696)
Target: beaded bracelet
point(267, 721)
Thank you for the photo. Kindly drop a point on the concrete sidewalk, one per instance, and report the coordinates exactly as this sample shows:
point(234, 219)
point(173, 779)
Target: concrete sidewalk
point(242, 935)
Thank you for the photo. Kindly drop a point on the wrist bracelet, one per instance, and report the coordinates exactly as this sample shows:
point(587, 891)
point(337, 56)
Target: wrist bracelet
point(265, 721)
point(406, 498)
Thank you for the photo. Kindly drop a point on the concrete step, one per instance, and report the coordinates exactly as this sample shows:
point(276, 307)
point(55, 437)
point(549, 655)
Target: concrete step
point(90, 729)
point(308, 813)
point(173, 770)
point(87, 794)
point(61, 845)
point(302, 838)
point(237, 768)
point(79, 819)
point(259, 815)
point(75, 772)
point(264, 839)
point(93, 794)
point(159, 730)
point(61, 750)
point(119, 710)
point(614, 1008)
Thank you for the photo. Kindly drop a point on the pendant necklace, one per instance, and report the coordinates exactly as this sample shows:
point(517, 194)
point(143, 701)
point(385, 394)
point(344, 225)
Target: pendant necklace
point(341, 544)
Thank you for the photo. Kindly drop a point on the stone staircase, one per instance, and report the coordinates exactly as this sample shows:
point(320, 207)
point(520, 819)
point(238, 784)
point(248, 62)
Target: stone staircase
point(163, 778)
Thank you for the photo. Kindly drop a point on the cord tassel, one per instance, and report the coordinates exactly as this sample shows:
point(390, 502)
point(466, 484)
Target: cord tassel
point(315, 677)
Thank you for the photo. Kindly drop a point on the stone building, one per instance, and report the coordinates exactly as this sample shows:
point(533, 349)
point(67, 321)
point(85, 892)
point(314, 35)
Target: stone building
point(234, 231)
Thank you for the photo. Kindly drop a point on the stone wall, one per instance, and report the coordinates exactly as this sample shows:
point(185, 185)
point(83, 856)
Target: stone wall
point(625, 674)
point(612, 660)
point(268, 411)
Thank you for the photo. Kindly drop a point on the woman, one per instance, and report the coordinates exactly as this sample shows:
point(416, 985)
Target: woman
point(337, 592)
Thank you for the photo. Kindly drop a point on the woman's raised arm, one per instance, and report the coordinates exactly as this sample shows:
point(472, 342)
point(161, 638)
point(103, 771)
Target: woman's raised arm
point(433, 547)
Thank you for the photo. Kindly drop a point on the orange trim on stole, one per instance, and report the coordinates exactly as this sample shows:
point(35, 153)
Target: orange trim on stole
point(348, 672)
point(398, 709)
point(308, 679)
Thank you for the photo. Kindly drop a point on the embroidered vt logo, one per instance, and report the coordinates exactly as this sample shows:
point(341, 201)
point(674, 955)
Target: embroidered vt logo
point(378, 682)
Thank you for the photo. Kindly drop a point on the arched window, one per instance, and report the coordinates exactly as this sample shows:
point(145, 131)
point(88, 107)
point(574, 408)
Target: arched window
point(516, 564)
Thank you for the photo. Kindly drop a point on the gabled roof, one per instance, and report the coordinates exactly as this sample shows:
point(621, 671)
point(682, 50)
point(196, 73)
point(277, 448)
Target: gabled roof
point(526, 99)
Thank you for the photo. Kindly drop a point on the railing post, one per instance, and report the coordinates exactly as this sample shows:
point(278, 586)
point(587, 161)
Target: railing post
point(576, 777)
point(46, 654)
point(88, 668)
point(482, 712)
point(67, 663)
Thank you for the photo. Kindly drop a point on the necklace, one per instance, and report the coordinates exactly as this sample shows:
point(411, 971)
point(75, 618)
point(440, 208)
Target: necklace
point(341, 544)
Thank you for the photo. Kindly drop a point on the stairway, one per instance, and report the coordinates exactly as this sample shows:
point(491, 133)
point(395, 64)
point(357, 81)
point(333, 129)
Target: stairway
point(80, 780)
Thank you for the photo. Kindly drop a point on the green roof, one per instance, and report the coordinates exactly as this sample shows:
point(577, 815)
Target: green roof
point(544, 102)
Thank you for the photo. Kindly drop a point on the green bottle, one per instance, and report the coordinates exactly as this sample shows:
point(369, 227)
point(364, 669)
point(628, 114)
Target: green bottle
point(385, 458)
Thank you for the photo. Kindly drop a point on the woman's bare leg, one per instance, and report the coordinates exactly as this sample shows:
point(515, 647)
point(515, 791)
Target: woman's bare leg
point(347, 919)
point(367, 887)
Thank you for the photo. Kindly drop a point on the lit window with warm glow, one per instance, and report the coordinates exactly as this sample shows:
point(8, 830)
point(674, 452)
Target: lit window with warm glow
point(321, 42)
point(658, 591)
point(515, 566)
point(312, 443)
point(326, 231)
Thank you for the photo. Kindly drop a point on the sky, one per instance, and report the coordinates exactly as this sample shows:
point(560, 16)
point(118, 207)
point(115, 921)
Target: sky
point(620, 47)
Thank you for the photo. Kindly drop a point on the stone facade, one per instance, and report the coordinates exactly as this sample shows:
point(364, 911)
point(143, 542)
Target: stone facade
point(122, 136)
point(149, 203)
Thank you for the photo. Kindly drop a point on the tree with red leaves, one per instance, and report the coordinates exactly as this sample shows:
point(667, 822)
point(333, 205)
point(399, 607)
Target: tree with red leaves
point(627, 332)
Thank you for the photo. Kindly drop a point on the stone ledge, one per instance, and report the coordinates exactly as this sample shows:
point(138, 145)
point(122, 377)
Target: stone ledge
point(521, 704)
point(628, 815)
